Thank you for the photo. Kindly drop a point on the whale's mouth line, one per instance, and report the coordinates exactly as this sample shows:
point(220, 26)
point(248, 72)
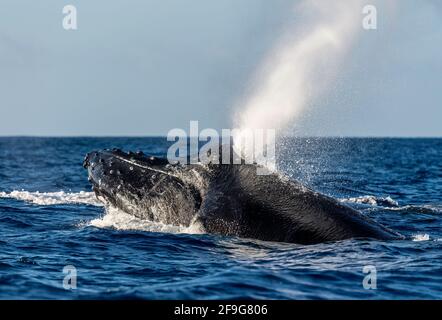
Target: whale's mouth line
point(143, 166)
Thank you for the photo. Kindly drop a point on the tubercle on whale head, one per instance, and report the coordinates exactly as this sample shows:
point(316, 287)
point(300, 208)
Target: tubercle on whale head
point(112, 171)
point(116, 170)
point(142, 185)
point(136, 158)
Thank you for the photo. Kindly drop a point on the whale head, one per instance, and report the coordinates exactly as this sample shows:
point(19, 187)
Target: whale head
point(145, 186)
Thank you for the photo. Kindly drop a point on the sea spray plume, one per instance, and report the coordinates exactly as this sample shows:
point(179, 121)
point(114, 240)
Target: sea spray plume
point(301, 65)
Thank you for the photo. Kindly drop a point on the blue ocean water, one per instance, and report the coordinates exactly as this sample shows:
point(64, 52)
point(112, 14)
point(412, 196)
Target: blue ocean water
point(49, 219)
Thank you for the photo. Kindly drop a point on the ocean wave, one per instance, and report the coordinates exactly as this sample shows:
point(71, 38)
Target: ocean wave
point(372, 200)
point(388, 203)
point(424, 237)
point(120, 220)
point(428, 209)
point(53, 198)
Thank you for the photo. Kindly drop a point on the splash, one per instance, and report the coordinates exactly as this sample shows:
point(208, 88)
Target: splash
point(53, 198)
point(120, 220)
point(387, 203)
point(372, 200)
point(301, 65)
point(421, 237)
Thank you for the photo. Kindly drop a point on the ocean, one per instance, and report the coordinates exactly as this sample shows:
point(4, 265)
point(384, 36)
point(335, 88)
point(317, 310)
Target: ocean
point(51, 225)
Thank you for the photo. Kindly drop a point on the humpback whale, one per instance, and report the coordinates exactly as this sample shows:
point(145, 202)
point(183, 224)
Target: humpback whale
point(225, 199)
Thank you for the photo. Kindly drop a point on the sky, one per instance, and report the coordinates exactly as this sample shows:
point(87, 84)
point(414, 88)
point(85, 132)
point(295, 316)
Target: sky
point(138, 68)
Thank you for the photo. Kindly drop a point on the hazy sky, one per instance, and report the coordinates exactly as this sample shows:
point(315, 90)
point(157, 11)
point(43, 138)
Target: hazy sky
point(145, 67)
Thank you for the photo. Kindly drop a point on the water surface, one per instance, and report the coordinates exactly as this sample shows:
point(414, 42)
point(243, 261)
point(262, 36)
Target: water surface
point(49, 219)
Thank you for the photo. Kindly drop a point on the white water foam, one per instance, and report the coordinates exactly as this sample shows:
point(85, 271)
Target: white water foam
point(372, 200)
point(53, 198)
point(421, 237)
point(119, 220)
point(388, 203)
point(113, 217)
point(427, 208)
